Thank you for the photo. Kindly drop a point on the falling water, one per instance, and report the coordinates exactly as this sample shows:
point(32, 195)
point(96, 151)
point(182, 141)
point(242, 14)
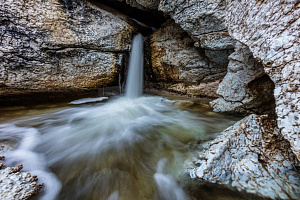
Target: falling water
point(134, 85)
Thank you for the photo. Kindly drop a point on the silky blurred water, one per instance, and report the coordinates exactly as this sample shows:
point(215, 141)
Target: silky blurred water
point(134, 82)
point(122, 148)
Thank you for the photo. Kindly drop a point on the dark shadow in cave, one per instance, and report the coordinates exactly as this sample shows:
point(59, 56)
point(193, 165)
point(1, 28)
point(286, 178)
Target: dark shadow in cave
point(151, 18)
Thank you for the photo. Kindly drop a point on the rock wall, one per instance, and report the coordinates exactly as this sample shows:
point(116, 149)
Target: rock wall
point(271, 31)
point(60, 45)
point(180, 67)
point(245, 88)
point(203, 20)
point(253, 156)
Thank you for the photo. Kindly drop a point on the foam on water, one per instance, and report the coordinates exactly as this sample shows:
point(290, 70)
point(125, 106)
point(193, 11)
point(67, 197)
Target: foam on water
point(115, 125)
point(27, 139)
point(86, 146)
point(167, 187)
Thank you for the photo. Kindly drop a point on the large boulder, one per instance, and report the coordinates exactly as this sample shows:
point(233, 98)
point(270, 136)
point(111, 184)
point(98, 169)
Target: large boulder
point(252, 156)
point(271, 31)
point(60, 45)
point(179, 66)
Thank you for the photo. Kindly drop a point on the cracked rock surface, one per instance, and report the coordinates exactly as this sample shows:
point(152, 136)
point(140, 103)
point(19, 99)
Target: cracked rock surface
point(271, 30)
point(60, 45)
point(253, 156)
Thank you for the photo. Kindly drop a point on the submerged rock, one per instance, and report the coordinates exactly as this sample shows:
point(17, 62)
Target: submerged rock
point(245, 88)
point(60, 45)
point(253, 156)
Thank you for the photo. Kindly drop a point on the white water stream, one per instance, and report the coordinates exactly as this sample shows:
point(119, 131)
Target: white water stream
point(129, 148)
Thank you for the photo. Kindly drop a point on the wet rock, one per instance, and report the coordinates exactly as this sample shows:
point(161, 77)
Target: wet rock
point(253, 156)
point(201, 90)
point(60, 45)
point(15, 184)
point(183, 103)
point(271, 31)
point(245, 88)
point(182, 67)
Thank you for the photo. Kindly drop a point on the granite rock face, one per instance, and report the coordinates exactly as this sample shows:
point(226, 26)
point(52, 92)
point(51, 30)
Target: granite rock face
point(271, 31)
point(203, 20)
point(253, 156)
point(60, 45)
point(180, 66)
point(245, 88)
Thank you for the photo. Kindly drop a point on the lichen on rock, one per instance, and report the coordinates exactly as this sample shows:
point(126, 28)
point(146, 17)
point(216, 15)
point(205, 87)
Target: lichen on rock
point(253, 156)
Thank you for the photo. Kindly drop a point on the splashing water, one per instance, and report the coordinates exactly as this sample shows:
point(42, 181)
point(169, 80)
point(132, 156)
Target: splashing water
point(167, 187)
point(28, 139)
point(108, 151)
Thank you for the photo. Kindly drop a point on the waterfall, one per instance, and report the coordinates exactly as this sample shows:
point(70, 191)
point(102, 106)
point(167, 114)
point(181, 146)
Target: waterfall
point(134, 84)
